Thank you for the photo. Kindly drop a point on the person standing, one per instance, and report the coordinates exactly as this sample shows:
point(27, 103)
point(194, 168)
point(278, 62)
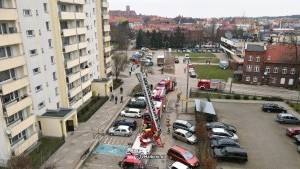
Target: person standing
point(116, 99)
point(121, 99)
point(151, 87)
point(112, 97)
point(121, 90)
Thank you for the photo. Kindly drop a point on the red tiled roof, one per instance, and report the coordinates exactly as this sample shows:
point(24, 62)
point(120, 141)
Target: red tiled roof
point(282, 54)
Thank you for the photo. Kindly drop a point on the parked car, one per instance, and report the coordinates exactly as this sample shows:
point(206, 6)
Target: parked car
point(271, 107)
point(191, 70)
point(218, 133)
point(231, 153)
point(185, 136)
point(137, 104)
point(178, 165)
point(120, 131)
point(149, 64)
point(145, 60)
point(140, 98)
point(287, 118)
point(185, 125)
point(296, 139)
point(193, 74)
point(220, 125)
point(182, 155)
point(140, 94)
point(292, 131)
point(131, 112)
point(224, 142)
point(148, 56)
point(126, 122)
point(186, 57)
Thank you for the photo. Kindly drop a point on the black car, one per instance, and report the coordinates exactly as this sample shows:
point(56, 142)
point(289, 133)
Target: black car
point(127, 122)
point(231, 154)
point(140, 94)
point(275, 108)
point(225, 142)
point(137, 104)
point(296, 139)
point(220, 125)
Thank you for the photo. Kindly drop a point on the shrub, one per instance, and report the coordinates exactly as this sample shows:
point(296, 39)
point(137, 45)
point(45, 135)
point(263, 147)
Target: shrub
point(220, 96)
point(287, 102)
point(296, 109)
point(237, 96)
point(227, 96)
point(292, 105)
point(265, 98)
point(276, 99)
point(254, 98)
point(246, 97)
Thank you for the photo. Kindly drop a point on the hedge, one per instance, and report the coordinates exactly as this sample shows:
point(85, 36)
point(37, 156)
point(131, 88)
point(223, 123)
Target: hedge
point(117, 83)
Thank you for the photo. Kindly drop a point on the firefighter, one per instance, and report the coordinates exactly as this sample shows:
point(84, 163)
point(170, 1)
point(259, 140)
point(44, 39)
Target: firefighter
point(169, 131)
point(168, 120)
point(164, 108)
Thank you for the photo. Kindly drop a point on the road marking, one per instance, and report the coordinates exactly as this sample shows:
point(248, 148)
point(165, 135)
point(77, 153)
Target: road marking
point(113, 141)
point(106, 140)
point(109, 141)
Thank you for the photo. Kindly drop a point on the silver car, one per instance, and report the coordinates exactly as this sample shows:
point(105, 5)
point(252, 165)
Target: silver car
point(184, 136)
point(120, 130)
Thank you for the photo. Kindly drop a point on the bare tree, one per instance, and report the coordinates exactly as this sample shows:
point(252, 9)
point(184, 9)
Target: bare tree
point(19, 162)
point(120, 62)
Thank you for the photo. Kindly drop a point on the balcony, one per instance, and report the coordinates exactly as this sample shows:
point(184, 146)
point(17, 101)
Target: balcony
point(70, 48)
point(24, 144)
point(10, 39)
point(76, 104)
point(107, 49)
point(73, 77)
point(87, 96)
point(105, 16)
point(22, 125)
point(71, 1)
point(13, 85)
point(84, 58)
point(66, 15)
point(80, 15)
point(105, 4)
point(74, 91)
point(82, 2)
point(82, 45)
point(69, 32)
point(8, 14)
point(107, 60)
point(12, 62)
point(85, 71)
point(81, 30)
point(106, 28)
point(108, 70)
point(17, 106)
point(66, 1)
point(106, 38)
point(72, 63)
point(86, 84)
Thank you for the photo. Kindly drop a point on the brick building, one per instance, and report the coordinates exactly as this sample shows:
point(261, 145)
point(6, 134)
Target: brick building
point(273, 65)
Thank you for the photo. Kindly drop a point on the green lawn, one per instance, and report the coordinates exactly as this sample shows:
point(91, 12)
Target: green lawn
point(202, 60)
point(201, 55)
point(212, 72)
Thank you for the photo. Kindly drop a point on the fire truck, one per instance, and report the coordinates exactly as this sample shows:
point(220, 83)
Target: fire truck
point(168, 83)
point(159, 94)
point(213, 84)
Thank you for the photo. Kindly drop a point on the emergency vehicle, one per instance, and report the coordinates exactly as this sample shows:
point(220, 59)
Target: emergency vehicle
point(159, 94)
point(168, 83)
point(213, 84)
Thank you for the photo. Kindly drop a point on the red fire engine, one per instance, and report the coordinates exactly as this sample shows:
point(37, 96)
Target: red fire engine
point(213, 84)
point(168, 83)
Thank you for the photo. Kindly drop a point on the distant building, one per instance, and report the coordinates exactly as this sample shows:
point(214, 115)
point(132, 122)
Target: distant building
point(128, 13)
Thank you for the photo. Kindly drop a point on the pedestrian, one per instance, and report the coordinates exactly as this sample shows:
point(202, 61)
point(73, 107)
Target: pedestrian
point(162, 70)
point(112, 97)
point(121, 99)
point(184, 70)
point(169, 131)
point(129, 73)
point(151, 87)
point(131, 68)
point(116, 99)
point(121, 90)
point(209, 62)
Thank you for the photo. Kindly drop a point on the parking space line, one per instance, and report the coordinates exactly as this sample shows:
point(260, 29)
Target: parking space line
point(113, 141)
point(106, 140)
point(109, 141)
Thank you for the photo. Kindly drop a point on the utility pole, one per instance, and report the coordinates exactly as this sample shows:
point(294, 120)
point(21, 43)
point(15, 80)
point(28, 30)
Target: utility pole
point(187, 86)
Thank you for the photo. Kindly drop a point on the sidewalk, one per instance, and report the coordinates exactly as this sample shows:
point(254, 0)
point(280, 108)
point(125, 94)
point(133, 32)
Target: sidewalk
point(79, 142)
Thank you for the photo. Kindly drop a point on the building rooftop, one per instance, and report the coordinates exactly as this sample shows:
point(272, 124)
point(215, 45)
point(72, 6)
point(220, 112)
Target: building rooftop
point(102, 80)
point(61, 112)
point(282, 54)
point(255, 48)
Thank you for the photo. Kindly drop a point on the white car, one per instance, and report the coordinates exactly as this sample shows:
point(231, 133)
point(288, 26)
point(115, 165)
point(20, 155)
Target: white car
point(178, 165)
point(131, 112)
point(186, 56)
point(217, 133)
point(120, 130)
point(191, 70)
point(138, 99)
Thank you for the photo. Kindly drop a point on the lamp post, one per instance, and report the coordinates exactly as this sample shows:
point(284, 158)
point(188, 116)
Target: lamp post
point(187, 87)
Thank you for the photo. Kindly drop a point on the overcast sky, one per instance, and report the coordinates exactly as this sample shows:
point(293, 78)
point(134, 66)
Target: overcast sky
point(209, 8)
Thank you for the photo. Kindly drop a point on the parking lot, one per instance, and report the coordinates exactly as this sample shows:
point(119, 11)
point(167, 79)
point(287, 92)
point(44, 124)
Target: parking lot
point(263, 138)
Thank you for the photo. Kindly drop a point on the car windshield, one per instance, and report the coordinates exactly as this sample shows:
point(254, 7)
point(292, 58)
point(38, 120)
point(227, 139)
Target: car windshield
point(187, 155)
point(189, 134)
point(189, 125)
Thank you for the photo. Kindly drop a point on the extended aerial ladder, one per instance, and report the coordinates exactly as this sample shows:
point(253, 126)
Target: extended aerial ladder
point(155, 129)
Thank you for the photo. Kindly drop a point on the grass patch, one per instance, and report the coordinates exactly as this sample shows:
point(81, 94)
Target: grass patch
point(202, 60)
point(46, 149)
point(295, 106)
point(212, 72)
point(201, 55)
point(88, 110)
point(137, 89)
point(117, 83)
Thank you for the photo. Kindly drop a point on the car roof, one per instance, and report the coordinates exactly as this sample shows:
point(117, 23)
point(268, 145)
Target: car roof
point(123, 127)
point(219, 130)
point(181, 131)
point(285, 115)
point(181, 121)
point(294, 128)
point(179, 165)
point(133, 109)
point(179, 149)
point(235, 150)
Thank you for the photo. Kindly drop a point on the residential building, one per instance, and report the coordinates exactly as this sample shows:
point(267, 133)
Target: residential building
point(273, 65)
point(47, 69)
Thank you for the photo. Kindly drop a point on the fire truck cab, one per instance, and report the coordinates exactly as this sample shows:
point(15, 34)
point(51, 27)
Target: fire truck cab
point(168, 83)
point(159, 94)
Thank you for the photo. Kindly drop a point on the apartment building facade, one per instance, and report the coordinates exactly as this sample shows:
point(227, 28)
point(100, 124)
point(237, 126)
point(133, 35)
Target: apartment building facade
point(50, 52)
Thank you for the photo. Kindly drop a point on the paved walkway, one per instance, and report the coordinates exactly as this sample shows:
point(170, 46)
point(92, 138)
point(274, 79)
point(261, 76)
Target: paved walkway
point(77, 143)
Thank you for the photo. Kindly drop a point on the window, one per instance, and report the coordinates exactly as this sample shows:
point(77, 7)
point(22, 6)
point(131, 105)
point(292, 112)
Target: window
point(41, 105)
point(48, 26)
point(274, 80)
point(33, 52)
point(54, 76)
point(26, 12)
point(250, 58)
point(45, 67)
point(57, 104)
point(291, 81)
point(249, 68)
point(30, 32)
point(7, 74)
point(293, 71)
point(36, 70)
point(269, 57)
point(38, 88)
point(17, 138)
point(63, 7)
point(37, 12)
point(247, 78)
point(257, 58)
point(275, 70)
point(254, 79)
point(94, 22)
point(284, 70)
point(5, 52)
point(282, 81)
point(45, 7)
point(56, 91)
point(267, 69)
point(77, 8)
point(42, 50)
point(50, 43)
point(256, 68)
point(94, 10)
point(52, 59)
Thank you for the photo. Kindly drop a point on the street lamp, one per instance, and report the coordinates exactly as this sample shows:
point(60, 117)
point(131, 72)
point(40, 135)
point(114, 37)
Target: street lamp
point(165, 43)
point(187, 86)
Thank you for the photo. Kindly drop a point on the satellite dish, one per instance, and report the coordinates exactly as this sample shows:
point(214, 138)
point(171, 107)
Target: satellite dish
point(223, 64)
point(228, 35)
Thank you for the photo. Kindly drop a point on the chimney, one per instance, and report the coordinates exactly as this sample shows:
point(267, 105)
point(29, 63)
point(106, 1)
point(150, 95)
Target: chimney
point(127, 8)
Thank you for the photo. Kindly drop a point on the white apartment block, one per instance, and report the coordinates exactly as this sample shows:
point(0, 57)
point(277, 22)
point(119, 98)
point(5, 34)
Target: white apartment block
point(50, 53)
